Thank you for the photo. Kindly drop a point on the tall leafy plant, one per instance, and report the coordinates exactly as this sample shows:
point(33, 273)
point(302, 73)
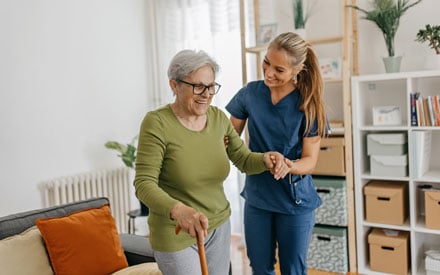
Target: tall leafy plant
point(386, 15)
point(300, 15)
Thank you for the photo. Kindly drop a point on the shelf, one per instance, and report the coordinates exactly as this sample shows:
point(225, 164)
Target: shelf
point(369, 91)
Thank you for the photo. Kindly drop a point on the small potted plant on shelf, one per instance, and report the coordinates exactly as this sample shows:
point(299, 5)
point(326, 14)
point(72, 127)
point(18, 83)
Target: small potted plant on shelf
point(386, 15)
point(127, 153)
point(431, 34)
point(300, 17)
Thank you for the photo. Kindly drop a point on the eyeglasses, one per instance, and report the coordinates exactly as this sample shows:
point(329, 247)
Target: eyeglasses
point(199, 89)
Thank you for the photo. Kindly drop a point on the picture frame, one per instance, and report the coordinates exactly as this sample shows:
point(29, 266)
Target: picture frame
point(330, 67)
point(266, 33)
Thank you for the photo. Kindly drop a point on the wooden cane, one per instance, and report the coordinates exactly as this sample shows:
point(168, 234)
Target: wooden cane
point(201, 250)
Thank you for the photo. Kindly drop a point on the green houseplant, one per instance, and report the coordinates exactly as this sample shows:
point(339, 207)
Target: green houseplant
point(386, 15)
point(430, 34)
point(127, 153)
point(300, 16)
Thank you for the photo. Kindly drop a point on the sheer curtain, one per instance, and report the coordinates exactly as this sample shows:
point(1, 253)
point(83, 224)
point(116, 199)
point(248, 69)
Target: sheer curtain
point(212, 26)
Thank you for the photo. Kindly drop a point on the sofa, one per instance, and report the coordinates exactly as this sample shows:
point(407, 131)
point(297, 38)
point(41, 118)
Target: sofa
point(70, 238)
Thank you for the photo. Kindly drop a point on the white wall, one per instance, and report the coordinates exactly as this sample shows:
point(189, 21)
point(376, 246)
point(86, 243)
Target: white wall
point(73, 75)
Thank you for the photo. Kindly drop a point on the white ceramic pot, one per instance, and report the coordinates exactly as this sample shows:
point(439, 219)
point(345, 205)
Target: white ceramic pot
point(392, 63)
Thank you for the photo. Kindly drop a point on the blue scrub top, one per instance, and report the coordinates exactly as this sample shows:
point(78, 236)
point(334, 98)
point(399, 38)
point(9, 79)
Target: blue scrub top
point(280, 128)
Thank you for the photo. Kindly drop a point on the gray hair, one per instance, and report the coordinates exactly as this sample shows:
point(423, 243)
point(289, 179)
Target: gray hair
point(187, 61)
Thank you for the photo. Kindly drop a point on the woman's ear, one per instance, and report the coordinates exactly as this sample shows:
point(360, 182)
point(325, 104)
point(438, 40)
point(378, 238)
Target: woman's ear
point(299, 68)
point(174, 85)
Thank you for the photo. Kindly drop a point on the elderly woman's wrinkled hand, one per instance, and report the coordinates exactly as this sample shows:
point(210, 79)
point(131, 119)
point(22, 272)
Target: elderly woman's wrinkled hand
point(190, 220)
point(276, 164)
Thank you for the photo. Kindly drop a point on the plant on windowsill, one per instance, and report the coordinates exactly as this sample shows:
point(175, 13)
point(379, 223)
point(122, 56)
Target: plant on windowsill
point(127, 153)
point(386, 15)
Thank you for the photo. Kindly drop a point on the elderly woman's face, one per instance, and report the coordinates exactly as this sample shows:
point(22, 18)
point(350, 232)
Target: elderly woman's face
point(189, 102)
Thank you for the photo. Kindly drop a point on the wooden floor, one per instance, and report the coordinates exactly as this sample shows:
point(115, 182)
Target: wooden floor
point(240, 262)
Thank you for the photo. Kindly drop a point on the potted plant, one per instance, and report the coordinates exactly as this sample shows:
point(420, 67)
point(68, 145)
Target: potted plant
point(386, 15)
point(300, 17)
point(430, 34)
point(127, 153)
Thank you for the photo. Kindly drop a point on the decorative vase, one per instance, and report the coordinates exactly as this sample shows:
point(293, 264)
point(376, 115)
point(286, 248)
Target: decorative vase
point(392, 64)
point(301, 32)
point(436, 62)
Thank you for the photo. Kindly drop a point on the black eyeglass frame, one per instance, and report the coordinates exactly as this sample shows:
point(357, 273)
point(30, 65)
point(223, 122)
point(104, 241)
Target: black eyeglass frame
point(216, 87)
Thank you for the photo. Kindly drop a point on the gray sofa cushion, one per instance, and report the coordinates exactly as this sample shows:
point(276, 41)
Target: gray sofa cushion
point(17, 223)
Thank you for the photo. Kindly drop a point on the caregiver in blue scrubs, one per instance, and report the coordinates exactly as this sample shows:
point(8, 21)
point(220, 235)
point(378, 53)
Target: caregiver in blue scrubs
point(285, 112)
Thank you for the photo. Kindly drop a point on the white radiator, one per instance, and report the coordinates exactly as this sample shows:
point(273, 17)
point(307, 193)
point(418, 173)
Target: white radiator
point(115, 184)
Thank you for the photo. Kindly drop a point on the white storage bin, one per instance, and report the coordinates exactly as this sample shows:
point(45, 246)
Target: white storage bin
point(432, 266)
point(387, 144)
point(389, 166)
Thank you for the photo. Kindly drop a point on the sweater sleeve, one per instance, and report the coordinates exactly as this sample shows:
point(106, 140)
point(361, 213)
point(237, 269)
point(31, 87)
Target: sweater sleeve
point(240, 155)
point(149, 159)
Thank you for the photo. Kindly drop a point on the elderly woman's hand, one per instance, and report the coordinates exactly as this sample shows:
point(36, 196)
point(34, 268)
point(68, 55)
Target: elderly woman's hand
point(276, 164)
point(193, 222)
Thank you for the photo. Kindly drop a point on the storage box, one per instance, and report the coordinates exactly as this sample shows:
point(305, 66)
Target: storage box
point(387, 115)
point(432, 209)
point(331, 160)
point(333, 193)
point(386, 202)
point(389, 166)
point(328, 249)
point(432, 266)
point(389, 251)
point(387, 144)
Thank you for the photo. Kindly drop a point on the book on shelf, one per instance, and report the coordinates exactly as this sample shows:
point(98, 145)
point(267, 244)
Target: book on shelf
point(422, 152)
point(436, 103)
point(414, 118)
point(424, 110)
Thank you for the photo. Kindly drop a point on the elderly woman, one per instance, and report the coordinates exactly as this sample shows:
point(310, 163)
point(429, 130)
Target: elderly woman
point(181, 164)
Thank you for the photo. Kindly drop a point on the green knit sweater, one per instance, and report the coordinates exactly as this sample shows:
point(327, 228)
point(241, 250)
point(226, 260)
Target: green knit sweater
point(175, 164)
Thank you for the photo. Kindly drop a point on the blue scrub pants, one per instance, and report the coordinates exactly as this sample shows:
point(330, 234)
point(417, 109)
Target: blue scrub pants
point(265, 229)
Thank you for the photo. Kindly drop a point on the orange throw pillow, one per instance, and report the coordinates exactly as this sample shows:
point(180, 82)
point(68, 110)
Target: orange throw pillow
point(84, 242)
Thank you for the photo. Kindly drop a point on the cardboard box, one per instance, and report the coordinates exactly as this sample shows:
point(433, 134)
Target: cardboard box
point(389, 166)
point(333, 193)
point(331, 160)
point(389, 251)
point(386, 202)
point(432, 209)
point(328, 249)
point(387, 144)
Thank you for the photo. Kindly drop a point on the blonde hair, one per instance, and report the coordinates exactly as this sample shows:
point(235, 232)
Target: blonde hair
point(309, 79)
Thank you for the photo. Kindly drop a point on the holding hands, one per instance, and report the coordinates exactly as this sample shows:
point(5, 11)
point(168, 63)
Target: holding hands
point(277, 165)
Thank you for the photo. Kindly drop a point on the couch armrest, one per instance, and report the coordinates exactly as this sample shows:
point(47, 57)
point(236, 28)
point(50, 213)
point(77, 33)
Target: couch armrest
point(137, 249)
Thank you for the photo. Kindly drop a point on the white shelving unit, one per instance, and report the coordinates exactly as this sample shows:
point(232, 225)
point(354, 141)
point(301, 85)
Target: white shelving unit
point(382, 90)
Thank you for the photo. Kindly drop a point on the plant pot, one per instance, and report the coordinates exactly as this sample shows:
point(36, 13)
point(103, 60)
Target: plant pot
point(301, 32)
point(436, 62)
point(392, 64)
